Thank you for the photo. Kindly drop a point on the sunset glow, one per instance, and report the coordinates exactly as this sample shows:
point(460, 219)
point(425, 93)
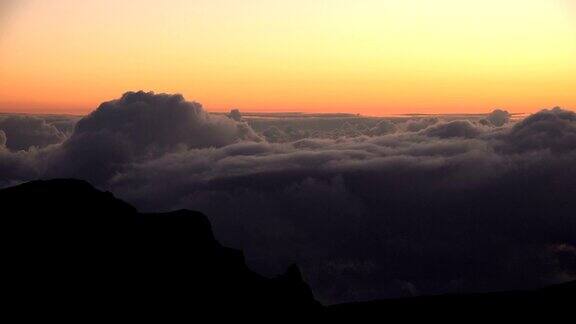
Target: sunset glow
point(373, 57)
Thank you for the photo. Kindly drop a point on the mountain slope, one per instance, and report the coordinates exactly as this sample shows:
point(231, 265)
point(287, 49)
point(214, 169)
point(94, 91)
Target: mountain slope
point(73, 250)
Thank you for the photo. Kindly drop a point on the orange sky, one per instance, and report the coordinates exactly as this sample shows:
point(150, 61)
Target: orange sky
point(374, 57)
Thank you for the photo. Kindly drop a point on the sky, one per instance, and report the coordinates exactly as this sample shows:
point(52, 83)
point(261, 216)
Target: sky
point(373, 57)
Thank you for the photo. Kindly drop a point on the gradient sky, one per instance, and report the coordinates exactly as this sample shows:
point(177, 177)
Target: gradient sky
point(373, 57)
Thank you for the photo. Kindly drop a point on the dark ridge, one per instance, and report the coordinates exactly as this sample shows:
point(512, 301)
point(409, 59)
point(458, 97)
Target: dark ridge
point(72, 252)
point(78, 253)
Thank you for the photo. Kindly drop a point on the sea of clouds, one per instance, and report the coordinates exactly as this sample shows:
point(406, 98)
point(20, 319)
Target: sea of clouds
point(368, 207)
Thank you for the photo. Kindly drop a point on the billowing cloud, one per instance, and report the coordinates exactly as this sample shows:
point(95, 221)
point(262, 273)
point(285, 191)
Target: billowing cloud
point(457, 128)
point(160, 123)
point(497, 118)
point(553, 130)
point(235, 115)
point(138, 126)
point(427, 205)
point(22, 132)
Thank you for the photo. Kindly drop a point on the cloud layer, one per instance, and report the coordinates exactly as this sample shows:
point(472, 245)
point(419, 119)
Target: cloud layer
point(23, 132)
point(369, 207)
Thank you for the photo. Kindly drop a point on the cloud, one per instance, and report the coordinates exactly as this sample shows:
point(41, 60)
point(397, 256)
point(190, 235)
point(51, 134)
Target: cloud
point(428, 205)
point(138, 126)
point(497, 118)
point(235, 115)
point(553, 130)
point(382, 128)
point(2, 139)
point(275, 135)
point(425, 210)
point(19, 166)
point(289, 129)
point(457, 128)
point(22, 132)
point(418, 124)
point(432, 208)
point(159, 122)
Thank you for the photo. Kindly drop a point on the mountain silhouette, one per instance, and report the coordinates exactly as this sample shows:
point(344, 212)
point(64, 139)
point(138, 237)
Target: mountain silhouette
point(74, 253)
point(78, 252)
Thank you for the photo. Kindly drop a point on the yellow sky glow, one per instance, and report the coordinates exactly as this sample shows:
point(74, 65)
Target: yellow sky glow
point(374, 57)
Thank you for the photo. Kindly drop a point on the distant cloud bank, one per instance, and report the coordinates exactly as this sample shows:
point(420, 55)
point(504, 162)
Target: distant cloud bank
point(369, 207)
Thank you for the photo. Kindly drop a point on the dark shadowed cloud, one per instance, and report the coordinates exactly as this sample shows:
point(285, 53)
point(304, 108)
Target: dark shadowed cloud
point(457, 128)
point(553, 130)
point(139, 126)
point(23, 132)
point(498, 118)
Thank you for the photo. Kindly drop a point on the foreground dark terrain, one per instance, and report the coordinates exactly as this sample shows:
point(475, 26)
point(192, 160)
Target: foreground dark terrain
point(77, 252)
point(71, 251)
